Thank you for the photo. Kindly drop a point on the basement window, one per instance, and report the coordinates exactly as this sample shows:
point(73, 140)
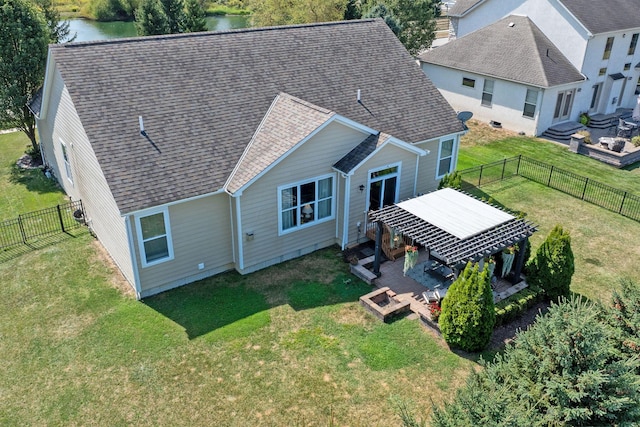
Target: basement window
point(468, 82)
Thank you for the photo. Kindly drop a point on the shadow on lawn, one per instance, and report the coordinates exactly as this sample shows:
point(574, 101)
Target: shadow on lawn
point(9, 253)
point(34, 180)
point(227, 306)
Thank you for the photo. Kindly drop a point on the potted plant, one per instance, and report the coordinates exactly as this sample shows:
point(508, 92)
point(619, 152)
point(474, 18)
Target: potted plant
point(410, 258)
point(508, 255)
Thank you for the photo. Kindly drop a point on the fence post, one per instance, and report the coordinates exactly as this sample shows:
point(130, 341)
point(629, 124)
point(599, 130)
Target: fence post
point(60, 218)
point(480, 177)
point(504, 164)
point(624, 197)
point(584, 190)
point(550, 175)
point(24, 236)
point(518, 165)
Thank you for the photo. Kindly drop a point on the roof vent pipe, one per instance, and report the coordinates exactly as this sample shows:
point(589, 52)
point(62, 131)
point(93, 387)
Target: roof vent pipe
point(142, 131)
point(359, 100)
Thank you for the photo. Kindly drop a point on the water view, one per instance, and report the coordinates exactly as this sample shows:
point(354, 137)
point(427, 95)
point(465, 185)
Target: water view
point(92, 30)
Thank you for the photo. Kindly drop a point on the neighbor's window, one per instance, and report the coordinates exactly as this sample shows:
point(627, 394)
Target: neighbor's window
point(627, 66)
point(468, 82)
point(530, 100)
point(154, 238)
point(445, 157)
point(67, 164)
point(487, 93)
point(638, 87)
point(602, 71)
point(305, 203)
point(633, 44)
point(607, 48)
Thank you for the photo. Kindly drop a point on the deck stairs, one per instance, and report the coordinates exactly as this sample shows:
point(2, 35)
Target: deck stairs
point(562, 131)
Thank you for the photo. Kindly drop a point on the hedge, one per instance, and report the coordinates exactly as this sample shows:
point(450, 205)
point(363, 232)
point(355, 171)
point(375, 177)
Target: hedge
point(512, 307)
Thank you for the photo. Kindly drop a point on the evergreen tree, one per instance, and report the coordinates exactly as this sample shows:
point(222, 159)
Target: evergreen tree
point(553, 266)
point(24, 40)
point(382, 11)
point(564, 370)
point(174, 12)
point(194, 17)
point(624, 315)
point(151, 19)
point(468, 315)
point(353, 10)
point(451, 180)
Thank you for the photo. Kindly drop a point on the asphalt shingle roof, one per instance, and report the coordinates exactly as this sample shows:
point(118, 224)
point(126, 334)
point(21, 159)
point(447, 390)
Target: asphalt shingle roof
point(603, 17)
point(360, 152)
point(203, 95)
point(520, 53)
point(462, 6)
point(288, 121)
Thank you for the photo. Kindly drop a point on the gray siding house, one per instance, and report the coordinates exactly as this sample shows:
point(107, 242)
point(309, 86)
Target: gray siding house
point(200, 153)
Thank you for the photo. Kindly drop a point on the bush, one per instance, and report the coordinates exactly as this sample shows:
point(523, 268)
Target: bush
point(451, 180)
point(586, 134)
point(512, 307)
point(636, 140)
point(624, 314)
point(552, 267)
point(585, 119)
point(468, 315)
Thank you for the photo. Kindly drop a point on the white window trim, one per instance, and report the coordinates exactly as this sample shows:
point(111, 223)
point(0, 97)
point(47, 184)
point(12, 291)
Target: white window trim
point(535, 106)
point(470, 79)
point(397, 175)
point(331, 217)
point(167, 228)
point(66, 162)
point(454, 155)
point(485, 91)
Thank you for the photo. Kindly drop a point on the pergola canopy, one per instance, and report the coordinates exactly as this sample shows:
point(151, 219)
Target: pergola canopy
point(454, 226)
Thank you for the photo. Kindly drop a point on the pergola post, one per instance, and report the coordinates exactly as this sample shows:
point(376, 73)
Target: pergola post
point(519, 261)
point(376, 260)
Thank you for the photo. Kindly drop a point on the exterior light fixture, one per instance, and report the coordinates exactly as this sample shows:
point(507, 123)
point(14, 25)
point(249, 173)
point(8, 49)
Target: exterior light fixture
point(361, 188)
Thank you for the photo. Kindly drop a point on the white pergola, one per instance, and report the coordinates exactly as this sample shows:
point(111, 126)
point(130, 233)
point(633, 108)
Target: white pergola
point(454, 227)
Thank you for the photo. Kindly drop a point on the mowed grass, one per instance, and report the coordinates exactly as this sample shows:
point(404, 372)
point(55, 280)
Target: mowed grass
point(22, 191)
point(289, 345)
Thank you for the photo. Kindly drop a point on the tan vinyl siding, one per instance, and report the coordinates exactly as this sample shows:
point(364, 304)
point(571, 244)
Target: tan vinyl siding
point(89, 183)
point(427, 169)
point(259, 203)
point(201, 233)
point(390, 154)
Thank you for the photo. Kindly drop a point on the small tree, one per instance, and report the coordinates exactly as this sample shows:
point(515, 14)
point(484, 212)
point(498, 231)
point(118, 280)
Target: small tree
point(59, 31)
point(382, 11)
point(468, 313)
point(24, 39)
point(451, 180)
point(174, 11)
point(553, 265)
point(624, 315)
point(151, 19)
point(416, 18)
point(194, 17)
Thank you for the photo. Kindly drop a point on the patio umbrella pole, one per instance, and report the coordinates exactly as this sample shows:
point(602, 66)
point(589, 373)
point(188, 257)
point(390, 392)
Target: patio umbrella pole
point(376, 260)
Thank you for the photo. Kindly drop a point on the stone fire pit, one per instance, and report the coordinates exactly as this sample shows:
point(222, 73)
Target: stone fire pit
point(383, 304)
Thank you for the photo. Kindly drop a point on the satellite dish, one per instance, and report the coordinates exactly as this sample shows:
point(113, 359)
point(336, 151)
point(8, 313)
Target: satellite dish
point(463, 116)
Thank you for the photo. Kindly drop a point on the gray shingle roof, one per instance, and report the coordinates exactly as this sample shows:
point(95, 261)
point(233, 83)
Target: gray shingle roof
point(360, 152)
point(288, 121)
point(462, 6)
point(520, 53)
point(605, 16)
point(203, 95)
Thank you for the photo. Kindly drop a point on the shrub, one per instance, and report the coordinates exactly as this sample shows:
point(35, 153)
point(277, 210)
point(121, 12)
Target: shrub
point(451, 180)
point(585, 119)
point(586, 134)
point(553, 265)
point(468, 314)
point(636, 140)
point(624, 314)
point(512, 307)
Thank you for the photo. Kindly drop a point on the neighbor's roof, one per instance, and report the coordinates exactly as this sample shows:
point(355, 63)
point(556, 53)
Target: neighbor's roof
point(496, 233)
point(518, 52)
point(605, 16)
point(203, 95)
point(462, 6)
point(288, 122)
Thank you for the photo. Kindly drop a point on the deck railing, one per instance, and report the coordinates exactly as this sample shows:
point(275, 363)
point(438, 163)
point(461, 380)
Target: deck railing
point(581, 187)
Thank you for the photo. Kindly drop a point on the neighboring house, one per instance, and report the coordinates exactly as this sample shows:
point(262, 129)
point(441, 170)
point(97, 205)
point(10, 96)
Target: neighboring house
point(597, 39)
point(258, 145)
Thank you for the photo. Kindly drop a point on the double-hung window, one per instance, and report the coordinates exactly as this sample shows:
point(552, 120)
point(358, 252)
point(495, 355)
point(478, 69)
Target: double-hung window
point(607, 48)
point(633, 44)
point(487, 93)
point(530, 102)
point(445, 157)
point(305, 203)
point(154, 237)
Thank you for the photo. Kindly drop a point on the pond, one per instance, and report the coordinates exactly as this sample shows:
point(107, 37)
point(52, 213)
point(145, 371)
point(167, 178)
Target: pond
point(88, 30)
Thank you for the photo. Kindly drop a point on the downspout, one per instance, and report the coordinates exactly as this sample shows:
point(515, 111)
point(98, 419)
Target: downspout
point(233, 237)
point(239, 225)
point(337, 198)
point(345, 220)
point(132, 252)
point(415, 181)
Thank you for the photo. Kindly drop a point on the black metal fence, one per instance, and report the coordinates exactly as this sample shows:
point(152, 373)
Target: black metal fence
point(32, 226)
point(605, 196)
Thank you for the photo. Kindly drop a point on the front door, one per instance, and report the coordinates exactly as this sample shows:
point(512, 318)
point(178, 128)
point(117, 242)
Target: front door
point(383, 188)
point(563, 105)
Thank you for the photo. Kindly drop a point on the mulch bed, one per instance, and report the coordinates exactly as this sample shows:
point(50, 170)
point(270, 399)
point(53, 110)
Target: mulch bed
point(504, 334)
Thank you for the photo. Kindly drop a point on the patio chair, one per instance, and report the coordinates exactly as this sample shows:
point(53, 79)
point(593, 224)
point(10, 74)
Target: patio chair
point(432, 296)
point(624, 131)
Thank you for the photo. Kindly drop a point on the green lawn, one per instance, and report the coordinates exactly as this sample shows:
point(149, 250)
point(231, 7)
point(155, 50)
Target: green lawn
point(288, 345)
point(22, 191)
